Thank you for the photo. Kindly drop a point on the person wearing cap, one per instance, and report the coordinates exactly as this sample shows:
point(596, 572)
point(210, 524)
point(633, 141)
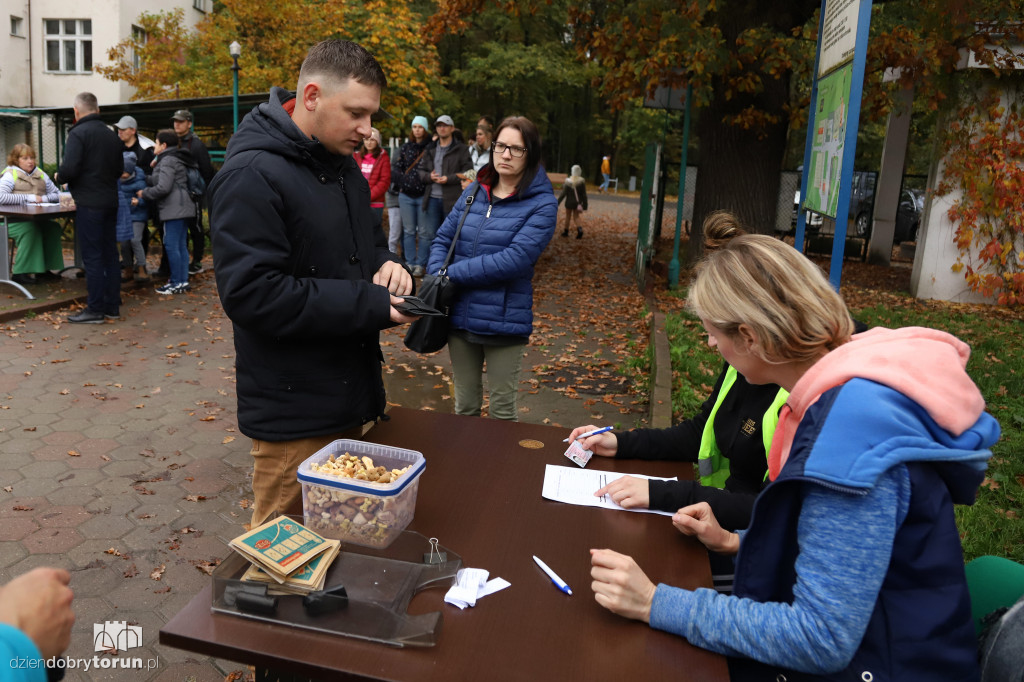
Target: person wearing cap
point(444, 159)
point(306, 279)
point(376, 167)
point(411, 188)
point(606, 173)
point(187, 139)
point(140, 145)
point(91, 168)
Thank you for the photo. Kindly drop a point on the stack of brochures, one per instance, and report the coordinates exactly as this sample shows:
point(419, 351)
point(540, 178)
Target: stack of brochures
point(286, 554)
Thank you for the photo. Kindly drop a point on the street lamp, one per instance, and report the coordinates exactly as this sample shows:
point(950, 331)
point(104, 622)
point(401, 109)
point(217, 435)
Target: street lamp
point(236, 51)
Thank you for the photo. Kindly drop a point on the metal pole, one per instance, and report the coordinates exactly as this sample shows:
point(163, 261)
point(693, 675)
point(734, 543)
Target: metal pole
point(673, 266)
point(234, 69)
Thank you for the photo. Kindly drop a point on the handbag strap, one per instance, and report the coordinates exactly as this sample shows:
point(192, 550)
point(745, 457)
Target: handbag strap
point(451, 249)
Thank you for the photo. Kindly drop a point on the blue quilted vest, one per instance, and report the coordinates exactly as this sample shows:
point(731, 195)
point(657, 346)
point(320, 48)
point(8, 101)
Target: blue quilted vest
point(921, 627)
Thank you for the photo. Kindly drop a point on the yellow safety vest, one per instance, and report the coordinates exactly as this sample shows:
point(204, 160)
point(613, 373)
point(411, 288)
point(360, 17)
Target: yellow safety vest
point(712, 467)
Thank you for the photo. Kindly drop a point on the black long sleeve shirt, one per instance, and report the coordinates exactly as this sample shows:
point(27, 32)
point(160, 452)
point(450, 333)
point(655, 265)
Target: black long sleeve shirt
point(740, 438)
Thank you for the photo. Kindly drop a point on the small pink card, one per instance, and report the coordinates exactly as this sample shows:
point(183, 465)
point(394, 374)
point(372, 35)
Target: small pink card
point(577, 454)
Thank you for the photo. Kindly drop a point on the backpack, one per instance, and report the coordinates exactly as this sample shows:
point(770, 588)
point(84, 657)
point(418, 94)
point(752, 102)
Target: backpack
point(194, 182)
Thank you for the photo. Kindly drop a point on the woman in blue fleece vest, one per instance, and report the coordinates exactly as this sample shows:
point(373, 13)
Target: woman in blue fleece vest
point(510, 221)
point(851, 568)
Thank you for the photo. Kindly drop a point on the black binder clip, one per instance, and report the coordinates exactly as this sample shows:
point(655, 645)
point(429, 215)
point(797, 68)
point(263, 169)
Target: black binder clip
point(326, 601)
point(435, 556)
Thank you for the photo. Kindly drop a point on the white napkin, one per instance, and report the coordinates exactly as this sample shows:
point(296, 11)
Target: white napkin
point(472, 584)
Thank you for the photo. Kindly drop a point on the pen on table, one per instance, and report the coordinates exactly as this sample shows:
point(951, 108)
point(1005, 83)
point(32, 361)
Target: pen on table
point(588, 434)
point(559, 583)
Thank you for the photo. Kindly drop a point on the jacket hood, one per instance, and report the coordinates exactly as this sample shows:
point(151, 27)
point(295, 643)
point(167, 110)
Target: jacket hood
point(926, 367)
point(270, 128)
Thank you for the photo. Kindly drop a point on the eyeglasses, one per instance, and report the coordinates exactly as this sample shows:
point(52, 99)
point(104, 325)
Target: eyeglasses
point(517, 152)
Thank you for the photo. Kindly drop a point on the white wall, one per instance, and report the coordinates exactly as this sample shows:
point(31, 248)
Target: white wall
point(932, 276)
point(13, 55)
point(111, 23)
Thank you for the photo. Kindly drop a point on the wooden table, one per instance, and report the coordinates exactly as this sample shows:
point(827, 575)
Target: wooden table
point(480, 496)
point(24, 212)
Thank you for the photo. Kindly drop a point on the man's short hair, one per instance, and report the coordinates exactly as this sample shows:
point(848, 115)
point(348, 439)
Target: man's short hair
point(86, 102)
point(339, 60)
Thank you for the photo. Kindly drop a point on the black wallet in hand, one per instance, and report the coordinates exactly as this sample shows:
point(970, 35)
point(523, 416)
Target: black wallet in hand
point(415, 306)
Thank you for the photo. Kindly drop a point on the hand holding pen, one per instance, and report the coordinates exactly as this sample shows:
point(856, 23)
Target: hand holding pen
point(600, 441)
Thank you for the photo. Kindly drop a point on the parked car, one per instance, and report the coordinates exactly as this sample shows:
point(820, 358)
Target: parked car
point(908, 215)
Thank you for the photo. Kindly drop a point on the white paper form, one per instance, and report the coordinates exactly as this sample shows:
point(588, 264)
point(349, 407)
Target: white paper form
point(577, 486)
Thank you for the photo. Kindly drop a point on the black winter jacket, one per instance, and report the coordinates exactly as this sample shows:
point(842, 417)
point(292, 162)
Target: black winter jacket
point(456, 160)
point(739, 435)
point(295, 252)
point(93, 163)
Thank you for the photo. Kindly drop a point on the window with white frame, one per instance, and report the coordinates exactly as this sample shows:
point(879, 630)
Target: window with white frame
point(138, 38)
point(68, 45)
point(199, 5)
point(17, 26)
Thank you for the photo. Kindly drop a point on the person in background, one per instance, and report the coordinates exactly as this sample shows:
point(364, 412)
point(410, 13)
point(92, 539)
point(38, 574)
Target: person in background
point(92, 166)
point(411, 189)
point(306, 279)
point(468, 178)
point(128, 132)
point(574, 192)
point(169, 189)
point(182, 121)
point(132, 254)
point(127, 129)
point(851, 567)
point(509, 223)
point(37, 243)
point(606, 173)
point(123, 230)
point(480, 150)
point(394, 211)
point(35, 622)
point(439, 168)
point(376, 167)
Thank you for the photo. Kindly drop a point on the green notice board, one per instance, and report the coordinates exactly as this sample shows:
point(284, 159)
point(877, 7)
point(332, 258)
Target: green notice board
point(830, 118)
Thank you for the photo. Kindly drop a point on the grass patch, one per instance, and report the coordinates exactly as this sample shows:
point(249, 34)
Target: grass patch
point(993, 524)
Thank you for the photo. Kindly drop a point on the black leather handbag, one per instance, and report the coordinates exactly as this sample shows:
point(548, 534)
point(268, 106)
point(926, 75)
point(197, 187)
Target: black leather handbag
point(430, 334)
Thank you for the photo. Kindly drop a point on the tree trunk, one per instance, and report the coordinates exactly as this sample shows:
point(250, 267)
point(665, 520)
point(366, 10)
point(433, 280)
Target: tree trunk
point(738, 169)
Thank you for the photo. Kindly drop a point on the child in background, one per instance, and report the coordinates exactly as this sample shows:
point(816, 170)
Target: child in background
point(169, 188)
point(133, 256)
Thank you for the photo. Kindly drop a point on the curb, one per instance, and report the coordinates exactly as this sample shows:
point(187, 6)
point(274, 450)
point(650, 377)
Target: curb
point(661, 375)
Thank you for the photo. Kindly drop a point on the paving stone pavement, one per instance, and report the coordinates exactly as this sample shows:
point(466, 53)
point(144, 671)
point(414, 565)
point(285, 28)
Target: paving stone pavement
point(121, 461)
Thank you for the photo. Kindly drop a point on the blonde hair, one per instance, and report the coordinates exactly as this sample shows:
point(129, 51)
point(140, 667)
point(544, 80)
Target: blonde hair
point(769, 286)
point(720, 227)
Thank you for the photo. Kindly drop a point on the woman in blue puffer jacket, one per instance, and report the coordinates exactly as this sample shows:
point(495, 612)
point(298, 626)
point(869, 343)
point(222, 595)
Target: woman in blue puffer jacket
point(511, 219)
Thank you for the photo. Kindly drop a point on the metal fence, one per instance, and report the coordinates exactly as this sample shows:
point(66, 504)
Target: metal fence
point(37, 130)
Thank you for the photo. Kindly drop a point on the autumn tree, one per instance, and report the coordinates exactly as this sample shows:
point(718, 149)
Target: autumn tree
point(177, 61)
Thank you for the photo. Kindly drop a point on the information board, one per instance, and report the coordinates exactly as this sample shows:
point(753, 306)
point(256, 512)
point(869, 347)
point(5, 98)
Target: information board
point(831, 116)
point(838, 34)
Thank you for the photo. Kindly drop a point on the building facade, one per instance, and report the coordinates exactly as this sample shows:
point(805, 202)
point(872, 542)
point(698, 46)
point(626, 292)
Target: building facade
point(49, 48)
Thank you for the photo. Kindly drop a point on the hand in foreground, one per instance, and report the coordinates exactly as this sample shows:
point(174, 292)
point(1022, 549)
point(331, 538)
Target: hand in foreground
point(396, 278)
point(39, 604)
point(620, 585)
point(397, 316)
point(700, 521)
point(604, 444)
point(628, 492)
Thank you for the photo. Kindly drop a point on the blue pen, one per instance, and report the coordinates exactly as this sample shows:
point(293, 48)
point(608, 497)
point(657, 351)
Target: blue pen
point(559, 583)
point(588, 434)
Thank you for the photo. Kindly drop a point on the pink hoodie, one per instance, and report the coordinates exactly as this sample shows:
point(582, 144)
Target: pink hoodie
point(926, 365)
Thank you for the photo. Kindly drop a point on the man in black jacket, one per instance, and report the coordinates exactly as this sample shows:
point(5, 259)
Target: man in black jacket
point(444, 158)
point(187, 139)
point(91, 167)
point(306, 279)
